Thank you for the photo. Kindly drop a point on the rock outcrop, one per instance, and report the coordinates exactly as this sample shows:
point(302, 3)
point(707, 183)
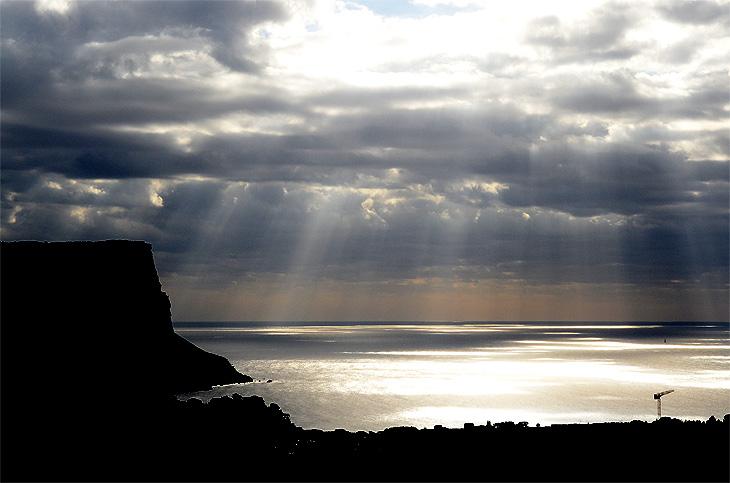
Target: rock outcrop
point(89, 356)
point(93, 315)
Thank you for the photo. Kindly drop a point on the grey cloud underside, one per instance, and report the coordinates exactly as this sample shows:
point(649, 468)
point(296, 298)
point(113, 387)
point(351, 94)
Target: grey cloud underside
point(600, 37)
point(618, 93)
point(262, 226)
point(374, 190)
point(55, 42)
point(671, 204)
point(695, 12)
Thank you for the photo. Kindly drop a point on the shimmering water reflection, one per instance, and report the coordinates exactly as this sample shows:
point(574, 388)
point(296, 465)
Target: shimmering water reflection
point(373, 376)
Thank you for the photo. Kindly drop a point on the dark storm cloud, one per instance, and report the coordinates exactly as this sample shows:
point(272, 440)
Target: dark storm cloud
point(656, 206)
point(141, 101)
point(91, 153)
point(621, 92)
point(626, 180)
point(52, 39)
point(596, 38)
point(60, 92)
point(695, 12)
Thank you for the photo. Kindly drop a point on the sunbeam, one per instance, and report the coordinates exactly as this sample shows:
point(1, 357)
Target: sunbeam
point(444, 159)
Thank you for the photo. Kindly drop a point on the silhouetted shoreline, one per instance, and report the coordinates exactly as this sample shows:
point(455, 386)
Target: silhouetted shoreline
point(664, 450)
point(68, 411)
point(235, 438)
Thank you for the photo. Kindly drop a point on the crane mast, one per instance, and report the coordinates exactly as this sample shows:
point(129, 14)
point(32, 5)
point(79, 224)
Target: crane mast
point(658, 397)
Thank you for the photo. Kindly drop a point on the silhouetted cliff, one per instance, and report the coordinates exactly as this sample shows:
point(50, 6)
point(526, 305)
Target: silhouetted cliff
point(86, 335)
point(93, 314)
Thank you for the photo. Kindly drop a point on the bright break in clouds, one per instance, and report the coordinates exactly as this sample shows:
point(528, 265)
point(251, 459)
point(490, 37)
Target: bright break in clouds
point(377, 160)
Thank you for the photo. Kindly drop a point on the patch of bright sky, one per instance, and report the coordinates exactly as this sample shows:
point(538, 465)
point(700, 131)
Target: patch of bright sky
point(53, 6)
point(413, 9)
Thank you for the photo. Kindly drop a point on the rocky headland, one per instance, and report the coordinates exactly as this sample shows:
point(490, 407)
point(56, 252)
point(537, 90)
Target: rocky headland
point(87, 343)
point(91, 366)
point(93, 314)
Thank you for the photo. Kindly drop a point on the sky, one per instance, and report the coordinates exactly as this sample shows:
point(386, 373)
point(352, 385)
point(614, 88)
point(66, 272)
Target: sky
point(381, 160)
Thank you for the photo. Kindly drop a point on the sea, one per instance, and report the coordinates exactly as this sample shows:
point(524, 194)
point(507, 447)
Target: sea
point(374, 375)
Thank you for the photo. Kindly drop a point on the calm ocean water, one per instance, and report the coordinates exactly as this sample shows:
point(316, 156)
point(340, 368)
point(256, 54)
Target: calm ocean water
point(370, 376)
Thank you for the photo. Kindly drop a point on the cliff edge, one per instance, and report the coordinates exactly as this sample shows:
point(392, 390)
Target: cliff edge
point(90, 363)
point(93, 315)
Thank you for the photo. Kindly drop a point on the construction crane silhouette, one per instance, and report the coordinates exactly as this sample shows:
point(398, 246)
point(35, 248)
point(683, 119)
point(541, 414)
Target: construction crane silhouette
point(658, 397)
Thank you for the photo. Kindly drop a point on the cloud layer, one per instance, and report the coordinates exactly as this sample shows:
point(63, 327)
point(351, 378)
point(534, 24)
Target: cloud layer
point(341, 160)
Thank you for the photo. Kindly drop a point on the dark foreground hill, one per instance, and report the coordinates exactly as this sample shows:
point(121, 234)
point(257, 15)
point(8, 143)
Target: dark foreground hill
point(85, 333)
point(90, 366)
point(237, 438)
point(242, 439)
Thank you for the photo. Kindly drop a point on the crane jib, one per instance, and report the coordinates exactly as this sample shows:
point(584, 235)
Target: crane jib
point(658, 397)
